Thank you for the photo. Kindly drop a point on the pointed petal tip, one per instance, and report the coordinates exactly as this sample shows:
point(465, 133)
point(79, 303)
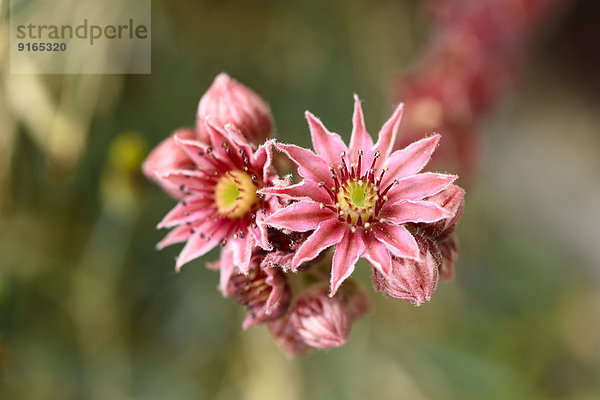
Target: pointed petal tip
point(312, 118)
point(178, 266)
point(222, 78)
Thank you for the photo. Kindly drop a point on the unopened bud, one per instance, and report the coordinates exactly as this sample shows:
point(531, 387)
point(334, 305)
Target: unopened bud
point(228, 101)
point(449, 251)
point(355, 298)
point(264, 292)
point(285, 335)
point(320, 321)
point(452, 199)
point(410, 280)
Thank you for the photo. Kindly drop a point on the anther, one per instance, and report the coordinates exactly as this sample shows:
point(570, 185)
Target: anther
point(223, 242)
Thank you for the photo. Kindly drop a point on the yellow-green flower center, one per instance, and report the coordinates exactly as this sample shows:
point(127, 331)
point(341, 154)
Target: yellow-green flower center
point(235, 194)
point(357, 199)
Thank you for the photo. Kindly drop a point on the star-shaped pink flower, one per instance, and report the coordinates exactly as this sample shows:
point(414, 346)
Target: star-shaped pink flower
point(219, 201)
point(359, 198)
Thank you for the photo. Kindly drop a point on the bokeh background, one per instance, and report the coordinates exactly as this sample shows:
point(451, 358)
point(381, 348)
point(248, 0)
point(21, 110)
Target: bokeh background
point(89, 309)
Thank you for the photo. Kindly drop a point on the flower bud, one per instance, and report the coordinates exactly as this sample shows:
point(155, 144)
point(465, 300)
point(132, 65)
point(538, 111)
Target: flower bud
point(355, 298)
point(449, 251)
point(452, 199)
point(169, 156)
point(264, 292)
point(228, 101)
point(285, 335)
point(320, 321)
point(414, 281)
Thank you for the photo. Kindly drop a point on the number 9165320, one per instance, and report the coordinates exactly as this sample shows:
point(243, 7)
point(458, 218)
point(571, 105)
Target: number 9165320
point(41, 46)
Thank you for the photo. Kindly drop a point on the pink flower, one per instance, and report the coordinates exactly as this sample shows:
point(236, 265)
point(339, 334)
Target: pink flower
point(220, 204)
point(359, 198)
point(412, 280)
point(228, 101)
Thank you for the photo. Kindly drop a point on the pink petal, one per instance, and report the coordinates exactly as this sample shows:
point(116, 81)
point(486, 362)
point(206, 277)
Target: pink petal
point(360, 140)
point(227, 267)
point(199, 243)
point(410, 160)
point(241, 248)
point(305, 190)
point(237, 136)
point(216, 133)
point(388, 132)
point(327, 145)
point(263, 157)
point(377, 254)
point(328, 233)
point(301, 217)
point(310, 166)
point(192, 208)
point(177, 235)
point(398, 240)
point(418, 186)
point(413, 211)
point(347, 252)
point(260, 232)
point(187, 181)
point(167, 155)
point(196, 151)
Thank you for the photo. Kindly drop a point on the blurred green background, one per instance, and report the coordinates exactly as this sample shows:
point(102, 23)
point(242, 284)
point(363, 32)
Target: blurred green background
point(89, 309)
